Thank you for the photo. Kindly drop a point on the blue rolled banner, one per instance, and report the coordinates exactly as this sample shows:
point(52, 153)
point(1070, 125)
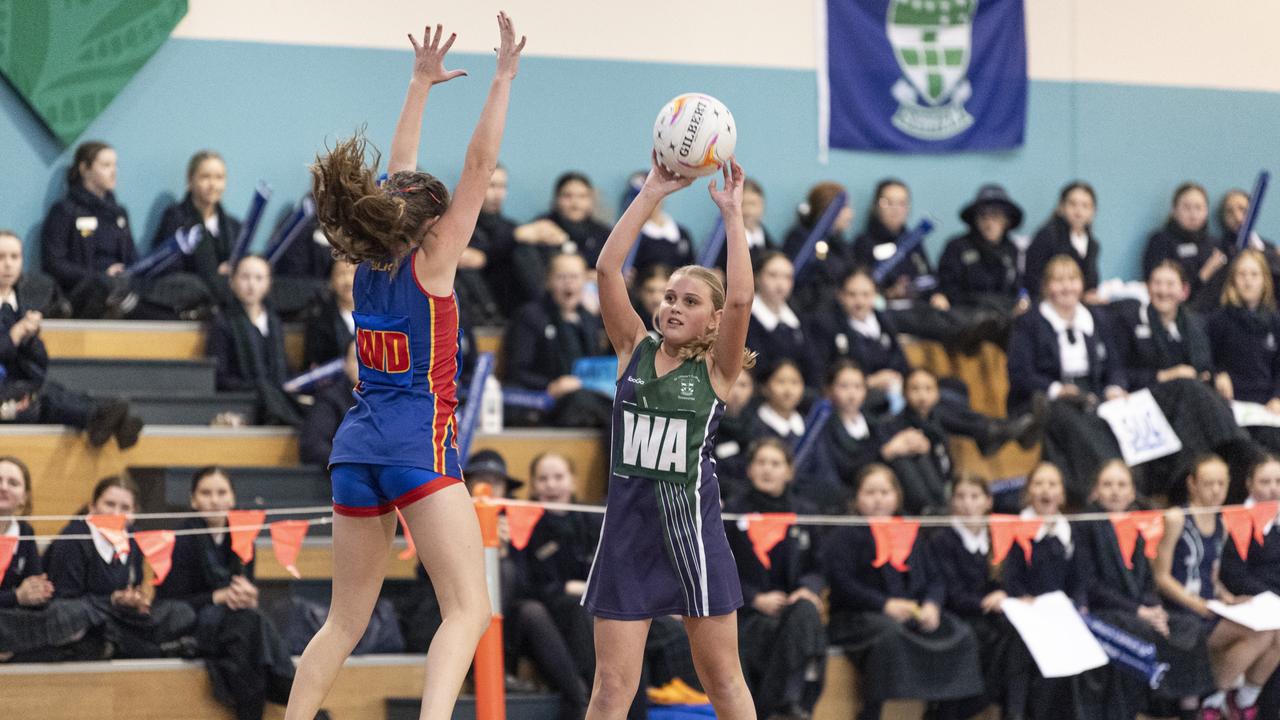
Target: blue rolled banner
point(182, 242)
point(1131, 652)
point(291, 230)
point(1255, 204)
point(529, 399)
point(599, 374)
point(813, 425)
point(251, 219)
point(819, 231)
point(906, 245)
point(311, 378)
point(471, 411)
point(711, 251)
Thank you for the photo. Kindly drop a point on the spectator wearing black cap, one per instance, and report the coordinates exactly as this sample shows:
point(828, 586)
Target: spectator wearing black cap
point(979, 269)
point(25, 393)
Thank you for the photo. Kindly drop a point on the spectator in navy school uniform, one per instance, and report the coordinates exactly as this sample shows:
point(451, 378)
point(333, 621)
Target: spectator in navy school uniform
point(320, 421)
point(734, 436)
point(1233, 208)
point(26, 395)
point(39, 292)
point(1256, 573)
point(1185, 239)
point(1187, 576)
point(247, 344)
point(782, 639)
point(978, 271)
point(758, 238)
point(889, 619)
point(774, 330)
point(569, 228)
point(1244, 335)
point(33, 626)
point(818, 282)
point(202, 206)
point(546, 337)
point(247, 661)
point(1121, 591)
point(778, 416)
point(662, 240)
point(1068, 232)
point(1061, 356)
point(109, 581)
point(333, 327)
point(492, 245)
point(921, 460)
point(847, 442)
point(647, 292)
point(301, 273)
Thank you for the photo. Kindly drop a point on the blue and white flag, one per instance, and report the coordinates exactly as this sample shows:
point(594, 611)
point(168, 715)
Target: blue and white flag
point(921, 76)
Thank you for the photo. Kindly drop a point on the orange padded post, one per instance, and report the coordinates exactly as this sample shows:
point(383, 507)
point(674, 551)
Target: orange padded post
point(491, 701)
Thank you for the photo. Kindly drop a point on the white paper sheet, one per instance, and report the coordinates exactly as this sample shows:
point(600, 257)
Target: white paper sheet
point(1140, 427)
point(1055, 634)
point(1251, 414)
point(1260, 613)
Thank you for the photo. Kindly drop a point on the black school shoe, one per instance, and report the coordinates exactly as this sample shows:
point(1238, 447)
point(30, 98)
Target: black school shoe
point(105, 420)
point(128, 431)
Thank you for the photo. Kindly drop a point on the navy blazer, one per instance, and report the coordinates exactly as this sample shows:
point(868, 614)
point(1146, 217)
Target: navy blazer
point(212, 250)
point(540, 346)
point(877, 244)
point(793, 561)
point(83, 235)
point(1054, 239)
point(25, 563)
point(833, 338)
point(201, 566)
point(1245, 346)
point(1035, 361)
point(967, 576)
point(971, 269)
point(76, 569)
point(561, 548)
point(1050, 570)
point(1110, 584)
point(1148, 348)
point(787, 342)
point(1189, 250)
point(847, 555)
point(1258, 573)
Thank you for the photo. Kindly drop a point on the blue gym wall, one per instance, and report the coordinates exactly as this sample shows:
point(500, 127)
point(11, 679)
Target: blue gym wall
point(270, 107)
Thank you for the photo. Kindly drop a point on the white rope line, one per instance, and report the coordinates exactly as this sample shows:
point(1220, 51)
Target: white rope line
point(822, 520)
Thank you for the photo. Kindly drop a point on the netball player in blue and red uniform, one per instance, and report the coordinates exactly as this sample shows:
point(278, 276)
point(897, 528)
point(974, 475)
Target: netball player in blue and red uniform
point(396, 448)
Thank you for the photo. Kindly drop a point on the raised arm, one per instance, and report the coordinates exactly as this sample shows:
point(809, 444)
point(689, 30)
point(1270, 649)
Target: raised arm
point(428, 70)
point(623, 326)
point(726, 356)
point(445, 242)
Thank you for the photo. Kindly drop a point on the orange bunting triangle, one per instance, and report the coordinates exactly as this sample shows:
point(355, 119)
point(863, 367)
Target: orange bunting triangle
point(895, 537)
point(286, 543)
point(1008, 529)
point(1150, 524)
point(157, 548)
point(410, 549)
point(487, 513)
point(766, 530)
point(521, 520)
point(112, 528)
point(1239, 526)
point(8, 546)
point(245, 526)
point(1263, 513)
point(1126, 535)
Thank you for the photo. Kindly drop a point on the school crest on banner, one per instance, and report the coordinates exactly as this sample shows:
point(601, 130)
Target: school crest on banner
point(923, 76)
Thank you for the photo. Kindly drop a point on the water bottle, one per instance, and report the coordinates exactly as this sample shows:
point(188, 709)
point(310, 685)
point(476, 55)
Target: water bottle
point(491, 407)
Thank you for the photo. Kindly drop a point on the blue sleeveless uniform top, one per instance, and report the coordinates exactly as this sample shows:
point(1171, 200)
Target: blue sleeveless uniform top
point(408, 345)
point(1195, 555)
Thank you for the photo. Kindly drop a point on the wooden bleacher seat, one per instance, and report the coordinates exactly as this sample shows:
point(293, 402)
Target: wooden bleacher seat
point(180, 689)
point(839, 700)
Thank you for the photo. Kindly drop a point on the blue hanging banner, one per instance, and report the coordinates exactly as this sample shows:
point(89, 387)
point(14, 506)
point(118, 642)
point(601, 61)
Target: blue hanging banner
point(1255, 205)
point(922, 76)
point(251, 219)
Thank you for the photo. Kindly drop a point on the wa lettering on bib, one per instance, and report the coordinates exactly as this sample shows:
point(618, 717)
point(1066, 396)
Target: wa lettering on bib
point(653, 444)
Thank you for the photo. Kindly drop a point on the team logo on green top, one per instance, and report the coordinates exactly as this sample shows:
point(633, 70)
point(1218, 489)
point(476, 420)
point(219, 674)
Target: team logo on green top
point(69, 59)
point(932, 41)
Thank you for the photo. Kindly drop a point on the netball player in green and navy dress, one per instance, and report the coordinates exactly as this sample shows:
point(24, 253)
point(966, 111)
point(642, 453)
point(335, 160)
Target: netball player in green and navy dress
point(396, 449)
point(663, 549)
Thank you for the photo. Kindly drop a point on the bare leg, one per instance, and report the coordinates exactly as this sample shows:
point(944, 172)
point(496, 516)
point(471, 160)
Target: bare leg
point(447, 535)
point(1234, 649)
point(1262, 668)
point(360, 548)
point(714, 641)
point(619, 660)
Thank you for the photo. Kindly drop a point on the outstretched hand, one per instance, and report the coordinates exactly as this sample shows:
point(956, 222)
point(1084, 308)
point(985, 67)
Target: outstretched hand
point(662, 181)
point(428, 58)
point(508, 51)
point(729, 198)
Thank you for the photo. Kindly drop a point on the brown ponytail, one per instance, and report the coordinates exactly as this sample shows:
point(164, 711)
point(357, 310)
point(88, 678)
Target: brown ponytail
point(362, 220)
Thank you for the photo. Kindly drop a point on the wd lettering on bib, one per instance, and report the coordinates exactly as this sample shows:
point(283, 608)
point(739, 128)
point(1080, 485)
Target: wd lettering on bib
point(382, 345)
point(654, 444)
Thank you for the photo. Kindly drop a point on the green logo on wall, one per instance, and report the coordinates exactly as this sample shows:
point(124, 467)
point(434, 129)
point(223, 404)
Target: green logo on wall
point(70, 58)
point(932, 41)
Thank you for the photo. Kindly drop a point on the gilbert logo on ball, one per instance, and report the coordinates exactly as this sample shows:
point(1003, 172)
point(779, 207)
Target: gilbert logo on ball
point(694, 135)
